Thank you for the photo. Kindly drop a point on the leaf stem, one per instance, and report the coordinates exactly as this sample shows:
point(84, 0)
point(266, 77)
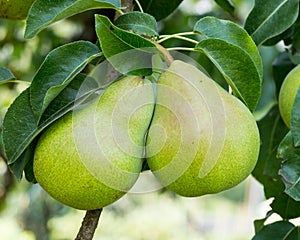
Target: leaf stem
point(177, 37)
point(181, 49)
point(139, 5)
point(179, 34)
point(89, 225)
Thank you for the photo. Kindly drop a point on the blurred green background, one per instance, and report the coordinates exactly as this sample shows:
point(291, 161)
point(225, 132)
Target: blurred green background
point(27, 212)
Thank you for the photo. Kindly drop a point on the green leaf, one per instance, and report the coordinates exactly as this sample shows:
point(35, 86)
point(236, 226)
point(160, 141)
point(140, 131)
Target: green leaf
point(59, 68)
point(232, 33)
point(270, 18)
point(281, 230)
point(286, 149)
point(139, 23)
point(295, 120)
point(5, 75)
point(119, 46)
point(43, 13)
point(272, 129)
point(226, 5)
point(282, 65)
point(290, 172)
point(260, 223)
point(20, 127)
point(285, 206)
point(1, 143)
point(237, 68)
point(290, 169)
point(160, 8)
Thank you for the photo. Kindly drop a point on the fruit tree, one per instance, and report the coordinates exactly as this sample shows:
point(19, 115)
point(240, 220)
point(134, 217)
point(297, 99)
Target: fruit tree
point(200, 101)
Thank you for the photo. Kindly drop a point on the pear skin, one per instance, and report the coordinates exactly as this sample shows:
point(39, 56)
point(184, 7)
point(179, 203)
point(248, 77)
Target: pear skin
point(202, 140)
point(90, 158)
point(287, 94)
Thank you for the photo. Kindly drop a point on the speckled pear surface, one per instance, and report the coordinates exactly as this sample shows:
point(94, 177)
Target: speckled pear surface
point(202, 139)
point(15, 9)
point(288, 94)
point(90, 158)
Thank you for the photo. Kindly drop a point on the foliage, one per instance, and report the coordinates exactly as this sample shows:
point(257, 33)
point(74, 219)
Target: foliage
point(227, 49)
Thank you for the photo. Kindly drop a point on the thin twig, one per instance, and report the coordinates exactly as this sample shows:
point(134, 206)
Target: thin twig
point(89, 225)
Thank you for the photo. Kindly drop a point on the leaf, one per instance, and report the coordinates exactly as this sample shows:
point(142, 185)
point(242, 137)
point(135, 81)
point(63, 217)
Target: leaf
point(20, 127)
point(43, 13)
point(282, 65)
point(290, 169)
point(237, 68)
point(260, 223)
point(5, 75)
point(295, 120)
point(212, 27)
point(160, 8)
point(281, 230)
point(119, 46)
point(139, 23)
point(59, 68)
point(269, 18)
point(285, 206)
point(226, 5)
point(272, 129)
point(286, 149)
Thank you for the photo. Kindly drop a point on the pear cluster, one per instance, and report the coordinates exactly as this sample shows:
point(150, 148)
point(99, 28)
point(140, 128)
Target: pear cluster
point(196, 138)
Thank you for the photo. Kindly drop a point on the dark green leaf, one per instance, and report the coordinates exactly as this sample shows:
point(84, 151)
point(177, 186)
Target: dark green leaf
point(290, 169)
point(272, 130)
point(20, 128)
point(232, 33)
point(295, 120)
point(160, 8)
point(139, 23)
point(286, 149)
point(281, 230)
point(5, 75)
point(286, 207)
point(290, 172)
point(119, 46)
point(283, 36)
point(59, 68)
point(18, 125)
point(269, 18)
point(282, 65)
point(28, 169)
point(43, 13)
point(1, 144)
point(81, 86)
point(226, 5)
point(260, 223)
point(237, 68)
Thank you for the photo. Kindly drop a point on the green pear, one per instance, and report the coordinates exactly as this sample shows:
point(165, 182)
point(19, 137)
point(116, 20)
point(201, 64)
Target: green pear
point(287, 94)
point(90, 158)
point(15, 9)
point(202, 139)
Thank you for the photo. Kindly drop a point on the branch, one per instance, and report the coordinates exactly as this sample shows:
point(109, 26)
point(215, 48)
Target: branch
point(89, 225)
point(128, 5)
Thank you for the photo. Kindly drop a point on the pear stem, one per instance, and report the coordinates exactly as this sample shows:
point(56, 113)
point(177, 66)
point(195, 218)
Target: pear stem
point(167, 56)
point(89, 225)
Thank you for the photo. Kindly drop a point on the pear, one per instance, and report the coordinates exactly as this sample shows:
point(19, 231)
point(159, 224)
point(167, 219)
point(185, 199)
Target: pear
point(287, 94)
point(15, 9)
point(202, 139)
point(90, 158)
